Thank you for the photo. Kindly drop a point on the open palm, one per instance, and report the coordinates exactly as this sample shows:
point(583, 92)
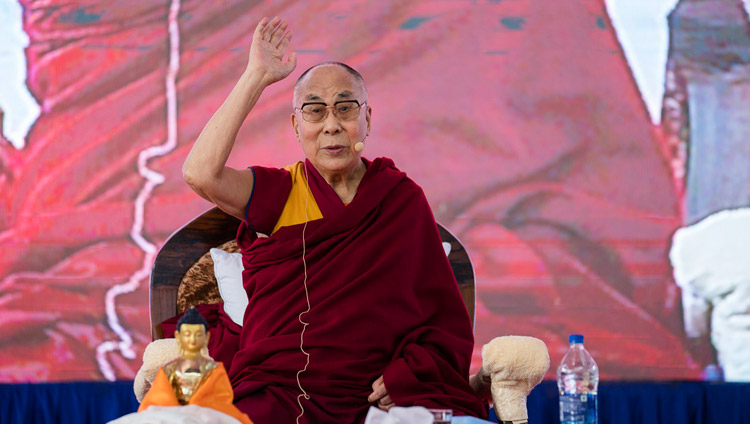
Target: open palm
point(270, 41)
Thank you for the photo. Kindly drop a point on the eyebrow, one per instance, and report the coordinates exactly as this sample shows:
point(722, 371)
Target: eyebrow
point(346, 94)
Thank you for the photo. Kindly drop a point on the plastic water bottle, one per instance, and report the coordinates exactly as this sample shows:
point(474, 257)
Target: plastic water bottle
point(577, 382)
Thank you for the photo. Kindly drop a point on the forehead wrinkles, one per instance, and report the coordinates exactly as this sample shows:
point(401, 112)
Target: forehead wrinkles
point(328, 84)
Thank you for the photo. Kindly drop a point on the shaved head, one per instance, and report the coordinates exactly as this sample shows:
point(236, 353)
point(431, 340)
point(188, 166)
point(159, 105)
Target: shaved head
point(353, 72)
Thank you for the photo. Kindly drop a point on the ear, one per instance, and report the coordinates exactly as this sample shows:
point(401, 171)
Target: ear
point(368, 117)
point(177, 338)
point(295, 125)
point(208, 336)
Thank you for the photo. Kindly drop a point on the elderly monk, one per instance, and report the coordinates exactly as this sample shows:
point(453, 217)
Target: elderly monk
point(352, 271)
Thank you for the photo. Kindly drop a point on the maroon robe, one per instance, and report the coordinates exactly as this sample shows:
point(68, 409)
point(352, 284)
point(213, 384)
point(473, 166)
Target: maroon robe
point(383, 298)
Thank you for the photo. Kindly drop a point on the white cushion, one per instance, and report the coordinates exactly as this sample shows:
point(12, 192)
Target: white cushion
point(228, 272)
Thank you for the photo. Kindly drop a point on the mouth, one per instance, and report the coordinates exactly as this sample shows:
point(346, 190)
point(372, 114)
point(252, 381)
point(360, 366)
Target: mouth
point(334, 150)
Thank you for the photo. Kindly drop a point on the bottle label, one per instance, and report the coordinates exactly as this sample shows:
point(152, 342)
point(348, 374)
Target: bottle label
point(578, 408)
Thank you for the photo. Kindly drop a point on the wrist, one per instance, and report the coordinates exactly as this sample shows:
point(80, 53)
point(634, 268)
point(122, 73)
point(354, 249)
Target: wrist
point(255, 78)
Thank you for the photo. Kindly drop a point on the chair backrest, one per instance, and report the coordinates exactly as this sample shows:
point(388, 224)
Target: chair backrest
point(215, 227)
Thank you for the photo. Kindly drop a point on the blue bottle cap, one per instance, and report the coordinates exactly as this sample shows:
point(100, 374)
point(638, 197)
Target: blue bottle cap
point(575, 338)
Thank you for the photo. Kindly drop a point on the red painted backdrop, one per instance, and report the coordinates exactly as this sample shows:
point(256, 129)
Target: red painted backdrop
point(520, 119)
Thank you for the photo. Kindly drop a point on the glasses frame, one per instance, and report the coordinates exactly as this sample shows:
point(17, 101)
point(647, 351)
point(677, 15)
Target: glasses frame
point(329, 108)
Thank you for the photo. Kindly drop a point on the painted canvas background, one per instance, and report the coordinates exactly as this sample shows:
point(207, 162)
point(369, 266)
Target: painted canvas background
point(521, 119)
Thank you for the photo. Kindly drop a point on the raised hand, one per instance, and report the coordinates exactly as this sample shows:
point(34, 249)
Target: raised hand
point(270, 41)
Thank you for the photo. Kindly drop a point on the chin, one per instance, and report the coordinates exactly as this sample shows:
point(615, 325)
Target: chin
point(337, 164)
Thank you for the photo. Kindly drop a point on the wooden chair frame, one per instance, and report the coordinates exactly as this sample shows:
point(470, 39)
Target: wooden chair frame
point(215, 227)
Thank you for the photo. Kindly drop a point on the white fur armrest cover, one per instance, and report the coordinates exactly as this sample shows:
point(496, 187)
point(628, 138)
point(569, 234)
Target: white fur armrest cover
point(156, 354)
point(516, 364)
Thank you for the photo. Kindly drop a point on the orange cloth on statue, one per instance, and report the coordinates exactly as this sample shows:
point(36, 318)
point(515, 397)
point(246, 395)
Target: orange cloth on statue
point(215, 393)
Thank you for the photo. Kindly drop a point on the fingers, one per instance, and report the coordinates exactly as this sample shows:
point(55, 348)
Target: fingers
point(261, 24)
point(284, 40)
point(378, 391)
point(275, 31)
point(386, 403)
point(270, 27)
point(380, 395)
point(259, 28)
point(278, 33)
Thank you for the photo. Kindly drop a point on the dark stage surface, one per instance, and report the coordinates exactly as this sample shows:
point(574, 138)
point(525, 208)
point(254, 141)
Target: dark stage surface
point(619, 403)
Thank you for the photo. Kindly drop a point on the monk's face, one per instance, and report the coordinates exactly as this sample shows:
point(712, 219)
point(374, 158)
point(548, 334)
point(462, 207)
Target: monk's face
point(192, 337)
point(329, 144)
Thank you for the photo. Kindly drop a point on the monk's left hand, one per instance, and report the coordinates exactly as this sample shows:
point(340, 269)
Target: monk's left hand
point(380, 395)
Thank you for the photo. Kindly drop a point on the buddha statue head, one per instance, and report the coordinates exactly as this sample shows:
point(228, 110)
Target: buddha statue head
point(192, 335)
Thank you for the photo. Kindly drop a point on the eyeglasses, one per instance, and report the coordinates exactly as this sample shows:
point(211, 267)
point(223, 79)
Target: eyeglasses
point(346, 110)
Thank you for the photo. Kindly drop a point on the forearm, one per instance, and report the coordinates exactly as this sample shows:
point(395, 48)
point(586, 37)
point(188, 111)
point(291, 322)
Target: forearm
point(206, 161)
point(205, 167)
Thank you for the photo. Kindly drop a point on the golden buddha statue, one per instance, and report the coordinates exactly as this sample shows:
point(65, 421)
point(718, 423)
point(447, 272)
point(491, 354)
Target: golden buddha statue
point(187, 372)
point(193, 378)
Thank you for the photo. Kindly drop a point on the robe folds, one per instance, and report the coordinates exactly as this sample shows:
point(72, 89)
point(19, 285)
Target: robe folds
point(383, 301)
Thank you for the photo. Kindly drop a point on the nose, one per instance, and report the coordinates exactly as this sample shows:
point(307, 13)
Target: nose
point(331, 123)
